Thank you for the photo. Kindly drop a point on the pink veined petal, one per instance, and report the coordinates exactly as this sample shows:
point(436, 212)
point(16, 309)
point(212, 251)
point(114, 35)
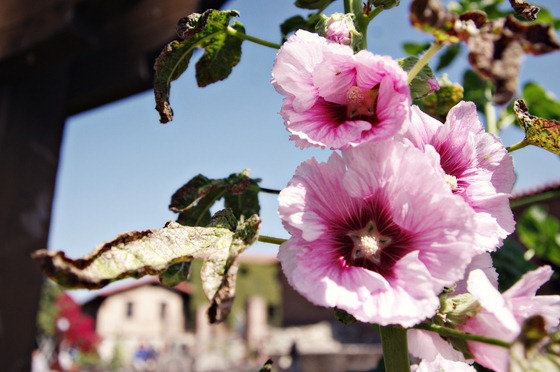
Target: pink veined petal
point(440, 364)
point(323, 105)
point(483, 262)
point(428, 345)
point(424, 129)
point(491, 300)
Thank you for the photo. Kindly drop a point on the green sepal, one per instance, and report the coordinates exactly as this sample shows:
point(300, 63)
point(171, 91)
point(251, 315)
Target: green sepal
point(312, 4)
point(344, 317)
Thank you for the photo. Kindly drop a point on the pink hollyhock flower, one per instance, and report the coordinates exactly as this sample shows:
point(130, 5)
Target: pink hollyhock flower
point(501, 318)
point(367, 239)
point(338, 28)
point(477, 167)
point(336, 99)
point(503, 315)
point(440, 364)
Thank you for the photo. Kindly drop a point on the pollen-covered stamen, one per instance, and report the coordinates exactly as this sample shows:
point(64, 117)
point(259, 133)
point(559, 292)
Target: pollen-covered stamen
point(361, 102)
point(368, 243)
point(452, 181)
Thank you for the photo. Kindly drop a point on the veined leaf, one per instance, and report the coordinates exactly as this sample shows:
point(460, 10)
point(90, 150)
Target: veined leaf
point(424, 83)
point(222, 52)
point(193, 200)
point(152, 252)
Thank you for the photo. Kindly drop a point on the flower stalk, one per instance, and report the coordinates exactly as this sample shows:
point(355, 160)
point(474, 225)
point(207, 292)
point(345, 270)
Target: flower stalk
point(518, 145)
point(444, 331)
point(395, 348)
point(270, 240)
point(233, 32)
point(423, 61)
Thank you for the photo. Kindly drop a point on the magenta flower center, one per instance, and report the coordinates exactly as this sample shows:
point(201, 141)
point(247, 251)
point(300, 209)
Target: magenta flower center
point(369, 238)
point(368, 243)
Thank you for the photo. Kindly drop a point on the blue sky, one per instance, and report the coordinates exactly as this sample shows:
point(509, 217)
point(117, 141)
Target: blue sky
point(119, 166)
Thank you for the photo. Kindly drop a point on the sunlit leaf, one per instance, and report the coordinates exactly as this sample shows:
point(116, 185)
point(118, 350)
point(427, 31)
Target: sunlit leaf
point(297, 22)
point(152, 252)
point(222, 52)
point(539, 132)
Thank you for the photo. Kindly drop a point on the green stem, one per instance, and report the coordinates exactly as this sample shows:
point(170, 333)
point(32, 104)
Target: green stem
point(233, 32)
point(347, 6)
point(256, 188)
point(423, 61)
point(395, 348)
point(531, 199)
point(270, 240)
point(444, 331)
point(518, 145)
point(490, 113)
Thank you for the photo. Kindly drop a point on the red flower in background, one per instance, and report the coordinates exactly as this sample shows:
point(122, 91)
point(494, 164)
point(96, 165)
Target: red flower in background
point(75, 326)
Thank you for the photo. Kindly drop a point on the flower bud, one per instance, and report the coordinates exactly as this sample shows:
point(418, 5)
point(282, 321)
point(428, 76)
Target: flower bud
point(338, 28)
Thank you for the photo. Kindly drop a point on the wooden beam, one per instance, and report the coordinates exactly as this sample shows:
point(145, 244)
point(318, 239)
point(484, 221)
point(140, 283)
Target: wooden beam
point(31, 123)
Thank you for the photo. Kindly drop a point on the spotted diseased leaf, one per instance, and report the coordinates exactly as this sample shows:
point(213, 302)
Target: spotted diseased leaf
point(496, 51)
point(208, 31)
point(193, 200)
point(524, 10)
point(176, 274)
point(432, 17)
point(424, 82)
point(218, 280)
point(153, 252)
point(538, 131)
point(495, 46)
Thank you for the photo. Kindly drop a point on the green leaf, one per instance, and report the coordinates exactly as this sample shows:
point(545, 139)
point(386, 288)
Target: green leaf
point(510, 263)
point(539, 132)
point(312, 4)
point(193, 200)
point(176, 274)
point(541, 102)
point(267, 367)
point(415, 49)
point(540, 233)
point(420, 85)
point(297, 22)
point(475, 89)
point(448, 56)
point(221, 54)
point(152, 252)
point(207, 30)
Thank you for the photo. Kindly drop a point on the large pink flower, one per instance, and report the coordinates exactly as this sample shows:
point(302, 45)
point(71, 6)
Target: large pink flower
point(376, 232)
point(336, 99)
point(477, 167)
point(503, 315)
